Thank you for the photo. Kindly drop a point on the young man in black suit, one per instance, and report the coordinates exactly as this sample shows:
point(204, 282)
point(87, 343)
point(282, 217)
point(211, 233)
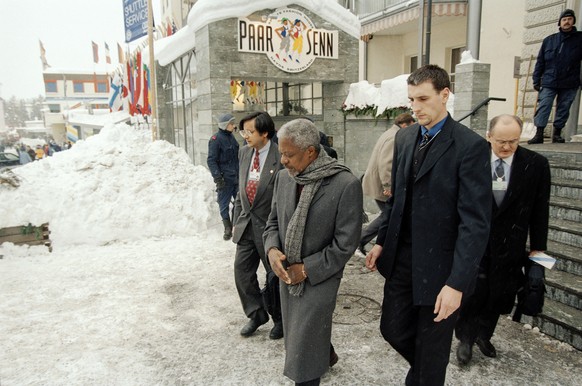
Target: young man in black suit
point(521, 192)
point(435, 229)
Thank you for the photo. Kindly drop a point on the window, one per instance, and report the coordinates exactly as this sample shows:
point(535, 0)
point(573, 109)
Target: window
point(78, 87)
point(50, 86)
point(413, 63)
point(54, 108)
point(455, 59)
point(101, 87)
point(285, 99)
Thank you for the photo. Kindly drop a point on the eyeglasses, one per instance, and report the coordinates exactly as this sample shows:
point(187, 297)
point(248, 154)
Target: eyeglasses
point(245, 133)
point(512, 142)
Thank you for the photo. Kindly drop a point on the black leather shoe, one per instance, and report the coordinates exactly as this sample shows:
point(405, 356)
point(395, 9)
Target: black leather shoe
point(260, 318)
point(333, 358)
point(536, 139)
point(486, 348)
point(558, 139)
point(276, 331)
point(464, 353)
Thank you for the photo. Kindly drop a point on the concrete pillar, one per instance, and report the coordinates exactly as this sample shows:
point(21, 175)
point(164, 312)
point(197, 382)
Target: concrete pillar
point(471, 88)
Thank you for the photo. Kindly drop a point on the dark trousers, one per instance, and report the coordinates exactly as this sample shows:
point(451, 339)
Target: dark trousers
point(371, 230)
point(411, 330)
point(246, 263)
point(225, 195)
point(475, 319)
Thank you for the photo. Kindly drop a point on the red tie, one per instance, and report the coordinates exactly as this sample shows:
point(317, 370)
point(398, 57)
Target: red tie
point(253, 183)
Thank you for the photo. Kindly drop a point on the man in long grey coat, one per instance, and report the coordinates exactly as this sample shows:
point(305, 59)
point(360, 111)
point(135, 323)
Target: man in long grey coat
point(312, 231)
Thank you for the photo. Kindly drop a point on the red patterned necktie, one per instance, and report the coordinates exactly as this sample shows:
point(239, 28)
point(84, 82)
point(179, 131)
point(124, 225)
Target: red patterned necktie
point(252, 183)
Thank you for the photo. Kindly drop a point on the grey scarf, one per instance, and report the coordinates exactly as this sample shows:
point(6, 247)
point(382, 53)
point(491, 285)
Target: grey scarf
point(311, 178)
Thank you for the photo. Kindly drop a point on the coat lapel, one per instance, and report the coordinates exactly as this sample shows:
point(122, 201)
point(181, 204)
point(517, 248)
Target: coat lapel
point(441, 143)
point(268, 172)
point(516, 181)
point(246, 164)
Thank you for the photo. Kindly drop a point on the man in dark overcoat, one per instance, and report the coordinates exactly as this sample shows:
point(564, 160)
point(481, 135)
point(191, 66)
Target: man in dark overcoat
point(521, 192)
point(259, 165)
point(312, 231)
point(435, 230)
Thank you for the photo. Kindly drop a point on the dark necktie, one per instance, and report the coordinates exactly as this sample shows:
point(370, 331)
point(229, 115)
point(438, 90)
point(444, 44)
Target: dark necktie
point(252, 183)
point(425, 140)
point(499, 176)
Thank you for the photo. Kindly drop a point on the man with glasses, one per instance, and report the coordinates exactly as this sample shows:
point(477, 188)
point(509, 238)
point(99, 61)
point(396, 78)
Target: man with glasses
point(259, 164)
point(521, 192)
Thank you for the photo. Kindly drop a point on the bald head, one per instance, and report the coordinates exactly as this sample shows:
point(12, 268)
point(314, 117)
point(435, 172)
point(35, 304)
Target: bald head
point(503, 135)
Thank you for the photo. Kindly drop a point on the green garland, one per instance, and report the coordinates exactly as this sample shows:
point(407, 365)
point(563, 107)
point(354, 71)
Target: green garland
point(389, 113)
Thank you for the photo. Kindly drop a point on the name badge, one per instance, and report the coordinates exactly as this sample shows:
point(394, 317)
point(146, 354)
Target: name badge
point(499, 185)
point(254, 176)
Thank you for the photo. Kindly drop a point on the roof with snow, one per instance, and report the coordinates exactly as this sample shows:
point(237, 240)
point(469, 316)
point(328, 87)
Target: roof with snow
point(205, 12)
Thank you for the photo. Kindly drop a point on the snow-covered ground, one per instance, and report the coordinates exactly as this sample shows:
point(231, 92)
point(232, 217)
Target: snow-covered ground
point(139, 288)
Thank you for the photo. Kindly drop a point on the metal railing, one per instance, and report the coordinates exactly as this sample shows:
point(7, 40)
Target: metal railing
point(483, 103)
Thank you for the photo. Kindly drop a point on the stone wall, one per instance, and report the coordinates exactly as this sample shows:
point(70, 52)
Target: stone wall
point(219, 61)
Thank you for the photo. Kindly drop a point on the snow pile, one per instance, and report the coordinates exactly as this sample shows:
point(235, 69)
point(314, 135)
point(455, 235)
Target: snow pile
point(117, 185)
point(466, 57)
point(393, 93)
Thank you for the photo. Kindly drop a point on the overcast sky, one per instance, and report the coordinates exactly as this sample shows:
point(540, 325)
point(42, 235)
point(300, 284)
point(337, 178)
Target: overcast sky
point(66, 28)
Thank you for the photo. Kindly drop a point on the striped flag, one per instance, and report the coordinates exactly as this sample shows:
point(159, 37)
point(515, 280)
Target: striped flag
point(107, 55)
point(95, 52)
point(116, 93)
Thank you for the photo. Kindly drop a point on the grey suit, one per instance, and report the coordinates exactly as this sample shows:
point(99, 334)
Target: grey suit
point(249, 224)
point(332, 233)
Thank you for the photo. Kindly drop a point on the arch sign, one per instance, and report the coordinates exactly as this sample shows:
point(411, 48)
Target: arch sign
point(288, 38)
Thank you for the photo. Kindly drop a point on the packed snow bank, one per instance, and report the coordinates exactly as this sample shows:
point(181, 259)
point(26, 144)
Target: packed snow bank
point(117, 185)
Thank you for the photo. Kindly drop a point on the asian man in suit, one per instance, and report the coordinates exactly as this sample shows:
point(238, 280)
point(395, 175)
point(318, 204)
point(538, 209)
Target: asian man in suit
point(259, 164)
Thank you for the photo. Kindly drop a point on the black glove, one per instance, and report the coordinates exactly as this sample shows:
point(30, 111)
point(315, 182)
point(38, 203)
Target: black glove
point(219, 181)
point(537, 87)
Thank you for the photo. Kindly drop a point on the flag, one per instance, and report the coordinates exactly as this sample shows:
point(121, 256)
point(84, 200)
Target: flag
point(169, 30)
point(146, 87)
point(95, 52)
point(45, 65)
point(116, 93)
point(120, 54)
point(107, 55)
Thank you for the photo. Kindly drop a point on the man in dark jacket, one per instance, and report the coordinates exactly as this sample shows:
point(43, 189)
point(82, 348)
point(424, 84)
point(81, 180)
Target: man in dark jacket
point(434, 231)
point(557, 74)
point(521, 192)
point(223, 164)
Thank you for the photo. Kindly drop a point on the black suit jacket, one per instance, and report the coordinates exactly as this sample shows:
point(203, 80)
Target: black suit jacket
point(524, 211)
point(257, 214)
point(451, 210)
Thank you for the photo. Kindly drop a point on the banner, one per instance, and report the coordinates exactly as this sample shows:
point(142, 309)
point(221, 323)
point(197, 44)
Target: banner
point(135, 16)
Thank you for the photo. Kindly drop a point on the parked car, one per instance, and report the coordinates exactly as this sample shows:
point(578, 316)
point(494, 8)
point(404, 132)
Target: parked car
point(8, 160)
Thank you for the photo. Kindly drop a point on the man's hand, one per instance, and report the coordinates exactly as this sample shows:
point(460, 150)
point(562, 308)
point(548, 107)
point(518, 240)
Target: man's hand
point(537, 87)
point(447, 302)
point(372, 256)
point(219, 181)
point(296, 273)
point(387, 192)
point(276, 259)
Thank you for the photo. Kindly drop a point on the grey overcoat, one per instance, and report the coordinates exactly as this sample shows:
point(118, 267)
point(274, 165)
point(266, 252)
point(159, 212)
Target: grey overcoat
point(332, 233)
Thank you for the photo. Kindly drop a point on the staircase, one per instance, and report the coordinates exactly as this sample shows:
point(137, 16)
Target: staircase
point(562, 314)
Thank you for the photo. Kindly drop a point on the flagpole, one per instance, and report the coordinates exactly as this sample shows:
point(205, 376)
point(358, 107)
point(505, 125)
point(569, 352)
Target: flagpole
point(152, 71)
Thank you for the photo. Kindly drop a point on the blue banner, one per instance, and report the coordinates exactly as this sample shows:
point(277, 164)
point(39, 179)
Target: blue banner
point(135, 16)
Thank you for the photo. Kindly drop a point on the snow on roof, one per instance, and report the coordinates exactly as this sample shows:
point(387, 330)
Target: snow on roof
point(205, 12)
point(97, 120)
